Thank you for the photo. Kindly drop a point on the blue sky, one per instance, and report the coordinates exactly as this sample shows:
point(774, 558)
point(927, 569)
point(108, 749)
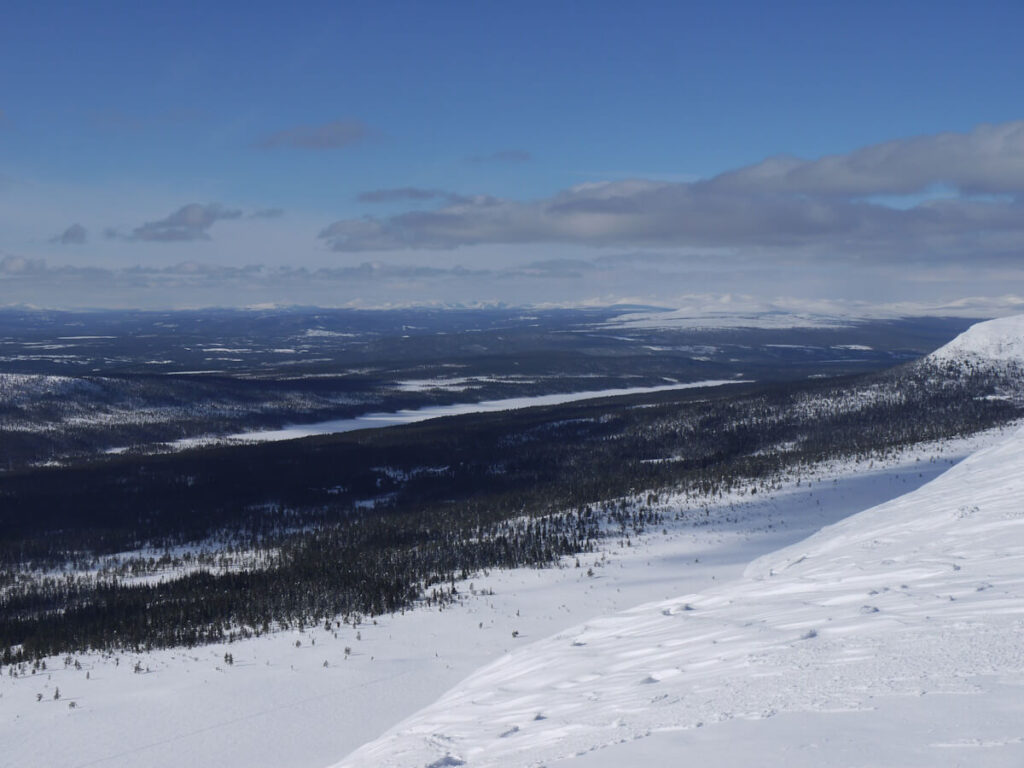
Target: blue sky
point(421, 137)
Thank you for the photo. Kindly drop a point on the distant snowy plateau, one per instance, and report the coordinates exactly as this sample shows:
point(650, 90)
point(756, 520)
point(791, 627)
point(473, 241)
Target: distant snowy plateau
point(893, 637)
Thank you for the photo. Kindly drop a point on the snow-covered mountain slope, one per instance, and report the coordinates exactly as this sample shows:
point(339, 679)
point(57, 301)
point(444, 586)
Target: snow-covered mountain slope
point(993, 341)
point(820, 651)
point(278, 705)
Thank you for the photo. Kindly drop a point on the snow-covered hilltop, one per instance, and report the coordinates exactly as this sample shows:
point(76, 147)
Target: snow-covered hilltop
point(993, 341)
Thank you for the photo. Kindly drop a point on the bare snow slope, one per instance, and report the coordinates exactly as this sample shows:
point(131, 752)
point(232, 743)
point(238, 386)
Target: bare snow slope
point(922, 596)
point(998, 341)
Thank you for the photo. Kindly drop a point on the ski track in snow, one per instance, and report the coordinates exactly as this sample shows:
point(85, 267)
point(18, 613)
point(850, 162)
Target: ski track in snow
point(920, 596)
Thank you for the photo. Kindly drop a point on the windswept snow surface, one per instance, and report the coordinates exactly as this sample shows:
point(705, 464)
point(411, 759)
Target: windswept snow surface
point(999, 341)
point(893, 637)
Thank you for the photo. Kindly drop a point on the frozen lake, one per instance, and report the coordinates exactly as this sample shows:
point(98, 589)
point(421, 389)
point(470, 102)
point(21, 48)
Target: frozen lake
point(413, 415)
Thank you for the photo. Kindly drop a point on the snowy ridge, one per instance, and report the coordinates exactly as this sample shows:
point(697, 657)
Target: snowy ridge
point(921, 595)
point(994, 341)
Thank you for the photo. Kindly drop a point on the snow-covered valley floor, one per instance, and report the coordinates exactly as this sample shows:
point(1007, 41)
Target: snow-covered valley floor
point(297, 699)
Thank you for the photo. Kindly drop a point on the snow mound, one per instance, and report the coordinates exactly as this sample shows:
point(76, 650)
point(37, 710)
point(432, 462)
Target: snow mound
point(994, 341)
point(921, 595)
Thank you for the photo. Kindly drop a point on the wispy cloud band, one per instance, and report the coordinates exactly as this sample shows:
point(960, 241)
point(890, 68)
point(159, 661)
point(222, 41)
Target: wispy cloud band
point(333, 135)
point(830, 204)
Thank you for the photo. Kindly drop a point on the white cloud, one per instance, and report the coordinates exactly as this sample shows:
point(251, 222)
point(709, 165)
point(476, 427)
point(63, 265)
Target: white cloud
point(786, 204)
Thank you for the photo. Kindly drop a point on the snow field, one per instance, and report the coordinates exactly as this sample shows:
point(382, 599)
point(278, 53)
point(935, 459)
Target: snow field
point(278, 705)
point(889, 638)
